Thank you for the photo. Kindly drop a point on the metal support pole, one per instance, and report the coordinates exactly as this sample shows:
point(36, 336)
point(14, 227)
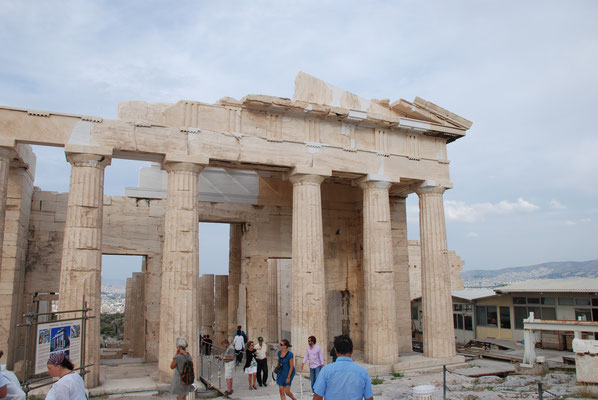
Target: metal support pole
point(444, 382)
point(83, 334)
point(540, 391)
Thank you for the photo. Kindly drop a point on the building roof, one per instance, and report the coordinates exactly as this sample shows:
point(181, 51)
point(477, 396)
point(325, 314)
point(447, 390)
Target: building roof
point(586, 285)
point(473, 293)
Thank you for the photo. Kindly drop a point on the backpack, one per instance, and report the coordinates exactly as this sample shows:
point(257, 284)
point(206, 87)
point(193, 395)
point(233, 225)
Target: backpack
point(188, 375)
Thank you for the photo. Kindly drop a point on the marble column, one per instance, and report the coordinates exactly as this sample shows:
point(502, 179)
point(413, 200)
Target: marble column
point(220, 308)
point(234, 277)
point(81, 268)
point(309, 301)
point(400, 247)
point(380, 328)
point(439, 333)
point(4, 167)
point(206, 284)
point(180, 265)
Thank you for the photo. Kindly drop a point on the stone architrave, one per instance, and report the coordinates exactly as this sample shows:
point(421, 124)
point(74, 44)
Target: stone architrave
point(380, 328)
point(220, 308)
point(234, 277)
point(206, 285)
point(439, 333)
point(398, 213)
point(309, 301)
point(180, 264)
point(81, 267)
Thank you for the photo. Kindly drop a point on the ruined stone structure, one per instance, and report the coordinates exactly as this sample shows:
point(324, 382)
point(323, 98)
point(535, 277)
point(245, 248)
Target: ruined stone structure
point(314, 189)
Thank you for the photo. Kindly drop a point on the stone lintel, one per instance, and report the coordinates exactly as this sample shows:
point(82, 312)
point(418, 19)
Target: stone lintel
point(305, 170)
point(105, 151)
point(199, 159)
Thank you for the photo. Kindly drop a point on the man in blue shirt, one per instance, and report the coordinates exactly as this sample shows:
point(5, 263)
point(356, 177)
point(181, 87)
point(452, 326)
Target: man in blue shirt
point(343, 379)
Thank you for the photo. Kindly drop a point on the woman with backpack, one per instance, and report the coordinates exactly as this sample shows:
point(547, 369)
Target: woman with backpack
point(181, 363)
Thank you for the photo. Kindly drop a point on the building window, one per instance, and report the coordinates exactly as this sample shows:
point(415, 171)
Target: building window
point(487, 316)
point(468, 322)
point(548, 301)
point(595, 302)
point(584, 314)
point(549, 313)
point(565, 301)
point(582, 302)
point(458, 321)
point(505, 317)
point(518, 300)
point(533, 300)
point(520, 315)
point(480, 315)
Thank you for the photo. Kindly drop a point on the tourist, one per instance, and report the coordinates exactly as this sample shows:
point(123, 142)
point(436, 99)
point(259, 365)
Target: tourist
point(332, 351)
point(287, 371)
point(314, 354)
point(69, 385)
point(208, 343)
point(177, 387)
point(250, 365)
point(239, 343)
point(10, 387)
point(229, 366)
point(261, 355)
point(343, 379)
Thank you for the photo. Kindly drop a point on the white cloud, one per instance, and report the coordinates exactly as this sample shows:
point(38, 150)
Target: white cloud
point(460, 211)
point(585, 220)
point(557, 205)
point(472, 234)
point(569, 222)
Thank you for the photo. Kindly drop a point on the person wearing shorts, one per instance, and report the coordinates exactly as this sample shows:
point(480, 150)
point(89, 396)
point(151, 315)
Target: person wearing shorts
point(229, 365)
point(250, 365)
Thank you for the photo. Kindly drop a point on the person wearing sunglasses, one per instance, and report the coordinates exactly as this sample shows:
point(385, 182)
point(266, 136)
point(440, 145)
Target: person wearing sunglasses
point(287, 371)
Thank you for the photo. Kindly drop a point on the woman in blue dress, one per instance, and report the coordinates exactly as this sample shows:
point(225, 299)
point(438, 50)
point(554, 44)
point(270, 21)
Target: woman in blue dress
point(287, 372)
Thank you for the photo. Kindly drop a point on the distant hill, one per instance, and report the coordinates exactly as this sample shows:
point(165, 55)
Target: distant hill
point(549, 270)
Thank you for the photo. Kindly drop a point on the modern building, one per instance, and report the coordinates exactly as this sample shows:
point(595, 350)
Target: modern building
point(499, 313)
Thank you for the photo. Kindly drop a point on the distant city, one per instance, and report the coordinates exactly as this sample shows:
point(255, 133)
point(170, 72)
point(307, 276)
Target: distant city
point(113, 293)
point(113, 298)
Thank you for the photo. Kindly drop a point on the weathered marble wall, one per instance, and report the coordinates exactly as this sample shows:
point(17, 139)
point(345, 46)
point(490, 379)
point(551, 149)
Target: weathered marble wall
point(19, 190)
point(456, 263)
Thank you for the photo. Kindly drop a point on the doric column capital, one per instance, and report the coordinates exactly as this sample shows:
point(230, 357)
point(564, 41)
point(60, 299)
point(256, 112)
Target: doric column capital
point(430, 187)
point(174, 166)
point(374, 181)
point(308, 175)
point(88, 160)
point(300, 179)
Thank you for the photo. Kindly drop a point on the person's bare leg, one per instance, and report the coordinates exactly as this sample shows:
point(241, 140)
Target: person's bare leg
point(281, 391)
point(229, 385)
point(254, 379)
point(288, 392)
point(249, 380)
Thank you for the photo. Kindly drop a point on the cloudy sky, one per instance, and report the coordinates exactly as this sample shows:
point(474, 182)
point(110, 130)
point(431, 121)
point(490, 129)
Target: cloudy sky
point(526, 73)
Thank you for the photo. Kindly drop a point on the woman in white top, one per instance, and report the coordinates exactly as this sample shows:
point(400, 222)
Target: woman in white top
point(70, 385)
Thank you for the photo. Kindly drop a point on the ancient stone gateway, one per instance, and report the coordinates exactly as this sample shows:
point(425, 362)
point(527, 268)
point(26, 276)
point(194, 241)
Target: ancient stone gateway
point(325, 179)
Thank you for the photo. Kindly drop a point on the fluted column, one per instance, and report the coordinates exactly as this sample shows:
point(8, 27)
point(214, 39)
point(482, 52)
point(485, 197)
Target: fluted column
point(206, 284)
point(220, 308)
point(234, 276)
point(380, 328)
point(309, 302)
point(81, 267)
point(4, 167)
point(180, 264)
point(439, 333)
point(398, 212)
